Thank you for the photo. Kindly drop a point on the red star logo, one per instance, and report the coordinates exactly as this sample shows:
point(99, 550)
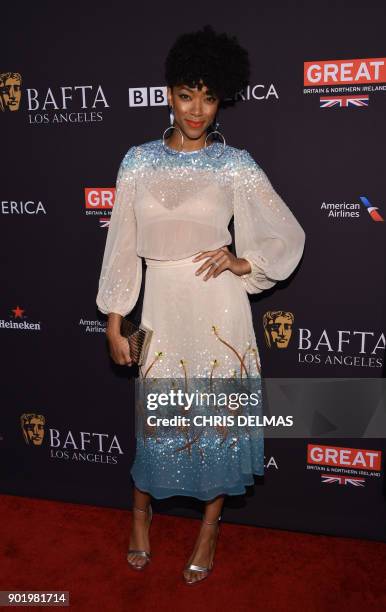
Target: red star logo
point(18, 312)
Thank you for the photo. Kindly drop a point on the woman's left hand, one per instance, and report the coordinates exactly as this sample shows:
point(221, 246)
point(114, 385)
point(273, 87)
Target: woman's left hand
point(225, 260)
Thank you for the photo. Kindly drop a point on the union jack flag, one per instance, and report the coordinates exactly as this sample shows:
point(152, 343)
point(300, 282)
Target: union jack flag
point(104, 221)
point(343, 101)
point(343, 480)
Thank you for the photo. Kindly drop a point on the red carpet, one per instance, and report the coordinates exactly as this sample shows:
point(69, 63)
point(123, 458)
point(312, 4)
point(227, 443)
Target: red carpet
point(81, 549)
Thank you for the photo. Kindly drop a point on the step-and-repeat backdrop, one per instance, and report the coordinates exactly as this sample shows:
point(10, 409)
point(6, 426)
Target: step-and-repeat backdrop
point(78, 89)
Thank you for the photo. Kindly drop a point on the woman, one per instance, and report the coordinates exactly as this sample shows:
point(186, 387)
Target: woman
point(174, 200)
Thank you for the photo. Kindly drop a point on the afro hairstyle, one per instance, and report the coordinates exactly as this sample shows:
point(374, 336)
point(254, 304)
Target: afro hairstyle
point(208, 58)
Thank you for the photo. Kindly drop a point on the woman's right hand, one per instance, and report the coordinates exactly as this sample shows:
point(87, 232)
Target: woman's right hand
point(119, 349)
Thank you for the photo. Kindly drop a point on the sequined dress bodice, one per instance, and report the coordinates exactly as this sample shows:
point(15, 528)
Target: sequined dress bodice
point(182, 204)
point(170, 205)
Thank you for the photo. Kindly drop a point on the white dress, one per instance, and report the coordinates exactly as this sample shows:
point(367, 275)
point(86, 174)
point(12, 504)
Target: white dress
point(169, 206)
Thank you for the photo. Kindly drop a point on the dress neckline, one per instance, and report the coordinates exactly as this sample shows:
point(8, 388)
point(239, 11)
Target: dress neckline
point(176, 152)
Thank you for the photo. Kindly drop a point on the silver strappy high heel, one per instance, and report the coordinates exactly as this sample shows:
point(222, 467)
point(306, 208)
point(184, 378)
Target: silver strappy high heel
point(141, 553)
point(200, 568)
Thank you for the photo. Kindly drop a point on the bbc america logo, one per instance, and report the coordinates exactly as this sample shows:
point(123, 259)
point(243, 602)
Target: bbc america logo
point(148, 96)
point(157, 96)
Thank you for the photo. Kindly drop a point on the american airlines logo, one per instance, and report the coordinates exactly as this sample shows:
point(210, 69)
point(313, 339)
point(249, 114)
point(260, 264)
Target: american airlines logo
point(351, 210)
point(372, 210)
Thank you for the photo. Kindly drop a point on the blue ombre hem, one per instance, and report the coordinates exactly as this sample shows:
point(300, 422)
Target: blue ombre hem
point(214, 468)
point(157, 493)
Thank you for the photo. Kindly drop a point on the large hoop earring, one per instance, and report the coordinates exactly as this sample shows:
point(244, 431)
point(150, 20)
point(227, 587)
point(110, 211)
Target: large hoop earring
point(169, 150)
point(215, 131)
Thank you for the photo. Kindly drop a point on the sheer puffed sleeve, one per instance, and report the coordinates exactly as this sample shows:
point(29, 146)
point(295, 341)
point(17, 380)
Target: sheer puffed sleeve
point(267, 234)
point(121, 273)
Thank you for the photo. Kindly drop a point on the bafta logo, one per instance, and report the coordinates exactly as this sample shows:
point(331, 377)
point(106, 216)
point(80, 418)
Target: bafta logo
point(278, 328)
point(33, 428)
point(10, 91)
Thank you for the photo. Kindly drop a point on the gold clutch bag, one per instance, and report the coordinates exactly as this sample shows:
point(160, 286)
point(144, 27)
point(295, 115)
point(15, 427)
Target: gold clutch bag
point(138, 337)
